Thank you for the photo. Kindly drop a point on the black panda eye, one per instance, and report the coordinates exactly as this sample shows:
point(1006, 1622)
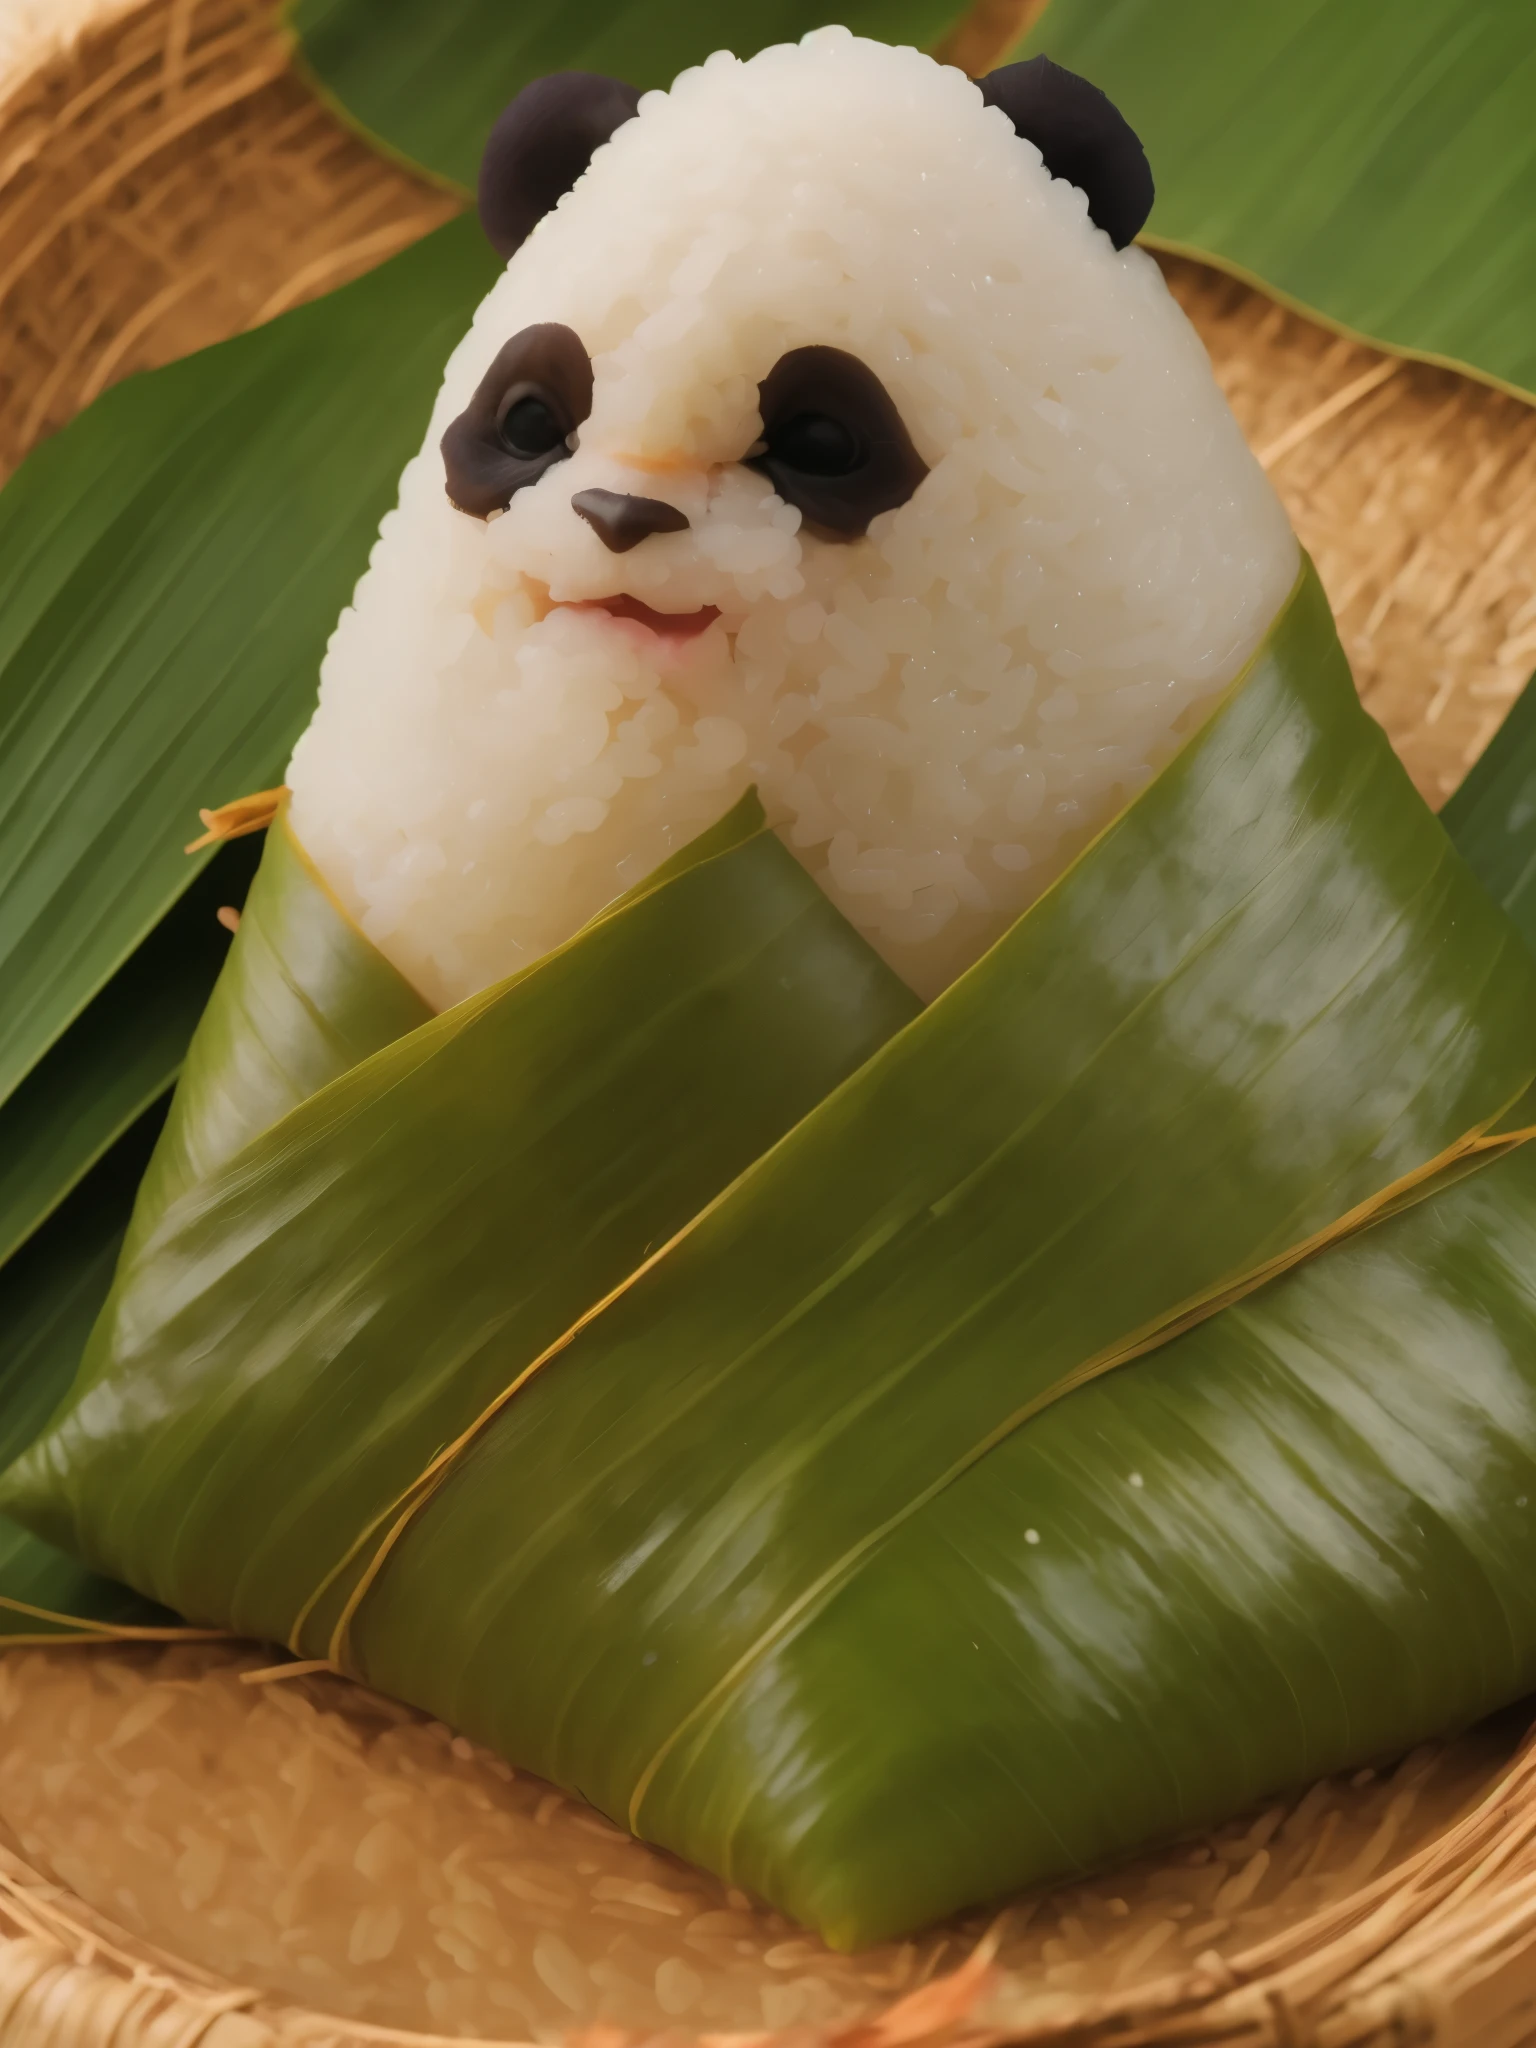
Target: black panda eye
point(815, 444)
point(518, 424)
point(833, 443)
point(530, 425)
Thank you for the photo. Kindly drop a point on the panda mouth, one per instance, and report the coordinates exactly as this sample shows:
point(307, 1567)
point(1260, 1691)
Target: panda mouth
point(665, 625)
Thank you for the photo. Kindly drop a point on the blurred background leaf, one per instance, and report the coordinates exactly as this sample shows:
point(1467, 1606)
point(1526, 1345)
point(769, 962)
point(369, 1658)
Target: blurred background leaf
point(49, 1296)
point(1492, 817)
point(171, 564)
point(121, 1054)
point(1373, 165)
point(426, 78)
point(174, 562)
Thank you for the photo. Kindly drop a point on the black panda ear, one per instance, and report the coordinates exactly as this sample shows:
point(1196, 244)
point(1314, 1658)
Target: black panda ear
point(540, 146)
point(1083, 137)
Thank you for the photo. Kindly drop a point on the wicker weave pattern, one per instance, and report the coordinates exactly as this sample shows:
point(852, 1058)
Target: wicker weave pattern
point(173, 182)
point(169, 184)
point(1438, 1950)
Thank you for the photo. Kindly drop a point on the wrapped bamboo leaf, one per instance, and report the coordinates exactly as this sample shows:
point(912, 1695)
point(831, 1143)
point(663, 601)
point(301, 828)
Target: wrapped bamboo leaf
point(49, 1297)
point(120, 1055)
point(888, 1454)
point(744, 1407)
point(1492, 816)
point(743, 998)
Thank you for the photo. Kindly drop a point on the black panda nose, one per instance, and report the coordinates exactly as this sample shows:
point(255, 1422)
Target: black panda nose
point(622, 522)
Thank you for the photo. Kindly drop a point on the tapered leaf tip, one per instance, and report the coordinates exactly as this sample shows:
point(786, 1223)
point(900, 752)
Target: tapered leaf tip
point(1083, 137)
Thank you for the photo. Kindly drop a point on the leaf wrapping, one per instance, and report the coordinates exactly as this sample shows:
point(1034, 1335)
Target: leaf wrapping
point(886, 1457)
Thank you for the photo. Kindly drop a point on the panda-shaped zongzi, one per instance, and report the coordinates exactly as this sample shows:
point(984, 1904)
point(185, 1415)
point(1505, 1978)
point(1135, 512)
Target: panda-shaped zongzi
point(824, 434)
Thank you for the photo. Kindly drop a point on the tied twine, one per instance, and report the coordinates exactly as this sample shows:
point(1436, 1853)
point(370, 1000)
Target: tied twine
point(245, 815)
point(58, 1629)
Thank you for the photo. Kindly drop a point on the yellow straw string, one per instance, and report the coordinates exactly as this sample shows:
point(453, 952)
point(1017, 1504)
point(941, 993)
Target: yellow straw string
point(276, 1674)
point(1330, 409)
point(234, 821)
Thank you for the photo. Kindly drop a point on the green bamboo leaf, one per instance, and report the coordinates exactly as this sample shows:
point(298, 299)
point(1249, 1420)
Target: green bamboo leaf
point(562, 1127)
point(1065, 1147)
point(1492, 817)
point(1374, 166)
point(49, 1297)
point(304, 998)
point(691, 1417)
point(1294, 1540)
point(174, 562)
point(426, 78)
point(122, 1053)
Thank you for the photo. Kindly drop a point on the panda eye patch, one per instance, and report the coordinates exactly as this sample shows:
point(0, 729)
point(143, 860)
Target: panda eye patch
point(518, 424)
point(833, 443)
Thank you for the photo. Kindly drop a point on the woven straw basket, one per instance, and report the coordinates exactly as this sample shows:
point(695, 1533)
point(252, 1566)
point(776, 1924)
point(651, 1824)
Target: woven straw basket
point(171, 181)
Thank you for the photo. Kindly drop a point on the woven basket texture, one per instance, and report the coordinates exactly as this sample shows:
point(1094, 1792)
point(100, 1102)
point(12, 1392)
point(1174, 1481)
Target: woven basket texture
point(172, 181)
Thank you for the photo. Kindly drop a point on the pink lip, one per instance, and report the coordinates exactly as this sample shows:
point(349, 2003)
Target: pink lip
point(666, 625)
